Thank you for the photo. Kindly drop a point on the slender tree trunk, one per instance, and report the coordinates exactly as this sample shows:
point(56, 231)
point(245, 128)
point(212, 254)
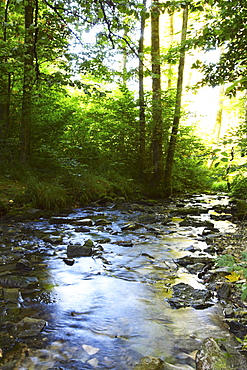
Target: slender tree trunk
point(156, 96)
point(218, 120)
point(6, 93)
point(176, 119)
point(171, 32)
point(124, 62)
point(28, 81)
point(142, 118)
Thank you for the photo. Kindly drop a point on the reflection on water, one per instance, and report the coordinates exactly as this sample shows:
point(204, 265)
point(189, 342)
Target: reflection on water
point(110, 312)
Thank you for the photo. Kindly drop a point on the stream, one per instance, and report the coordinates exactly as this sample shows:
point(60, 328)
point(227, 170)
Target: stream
point(108, 309)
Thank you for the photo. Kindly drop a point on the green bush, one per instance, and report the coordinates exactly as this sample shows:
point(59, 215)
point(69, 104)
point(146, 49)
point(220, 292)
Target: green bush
point(190, 176)
point(45, 195)
point(239, 187)
point(220, 186)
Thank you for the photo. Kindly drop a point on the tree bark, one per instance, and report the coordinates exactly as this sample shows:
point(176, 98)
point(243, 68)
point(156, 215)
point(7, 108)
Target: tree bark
point(142, 117)
point(171, 32)
point(28, 81)
point(6, 91)
point(156, 96)
point(176, 119)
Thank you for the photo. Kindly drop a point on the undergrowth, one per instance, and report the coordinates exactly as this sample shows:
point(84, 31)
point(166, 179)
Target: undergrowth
point(238, 270)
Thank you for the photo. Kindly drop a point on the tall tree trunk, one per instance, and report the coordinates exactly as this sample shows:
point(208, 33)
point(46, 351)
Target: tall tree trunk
point(156, 96)
point(176, 119)
point(171, 32)
point(218, 120)
point(28, 81)
point(6, 91)
point(142, 118)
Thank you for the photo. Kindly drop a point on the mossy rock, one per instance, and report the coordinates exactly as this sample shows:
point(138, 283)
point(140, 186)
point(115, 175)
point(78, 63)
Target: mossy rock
point(212, 357)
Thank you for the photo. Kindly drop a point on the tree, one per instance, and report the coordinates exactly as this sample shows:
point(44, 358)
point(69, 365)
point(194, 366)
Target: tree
point(156, 95)
point(142, 118)
point(226, 28)
point(176, 119)
point(28, 82)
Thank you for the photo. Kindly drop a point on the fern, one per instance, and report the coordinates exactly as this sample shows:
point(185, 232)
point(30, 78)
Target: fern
point(227, 260)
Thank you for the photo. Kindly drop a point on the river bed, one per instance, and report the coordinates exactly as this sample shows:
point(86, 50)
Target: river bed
point(109, 309)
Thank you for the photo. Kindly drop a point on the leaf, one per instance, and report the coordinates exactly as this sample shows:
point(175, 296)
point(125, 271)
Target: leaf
point(233, 277)
point(90, 350)
point(244, 292)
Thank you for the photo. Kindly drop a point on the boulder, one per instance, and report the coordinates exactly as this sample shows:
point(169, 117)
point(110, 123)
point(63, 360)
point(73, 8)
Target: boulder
point(185, 295)
point(211, 357)
point(79, 250)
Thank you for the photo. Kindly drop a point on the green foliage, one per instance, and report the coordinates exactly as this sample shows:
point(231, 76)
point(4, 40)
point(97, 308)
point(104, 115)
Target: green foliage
point(225, 28)
point(45, 195)
point(237, 267)
point(190, 171)
point(239, 187)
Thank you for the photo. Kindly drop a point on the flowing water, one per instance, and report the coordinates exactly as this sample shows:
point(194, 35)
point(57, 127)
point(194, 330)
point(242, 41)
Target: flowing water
point(109, 310)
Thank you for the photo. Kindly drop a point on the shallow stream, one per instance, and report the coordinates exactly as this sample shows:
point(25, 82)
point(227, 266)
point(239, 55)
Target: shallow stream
point(108, 310)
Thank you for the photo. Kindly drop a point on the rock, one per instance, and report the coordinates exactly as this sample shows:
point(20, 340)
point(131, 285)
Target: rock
point(125, 243)
point(131, 226)
point(7, 342)
point(191, 211)
point(237, 328)
point(83, 222)
point(224, 291)
point(185, 295)
point(103, 240)
point(82, 229)
point(71, 221)
point(23, 264)
point(211, 357)
point(11, 295)
point(54, 239)
point(28, 327)
point(18, 281)
point(102, 222)
point(193, 269)
point(69, 261)
point(149, 363)
point(78, 250)
point(189, 221)
point(191, 260)
point(207, 232)
point(59, 220)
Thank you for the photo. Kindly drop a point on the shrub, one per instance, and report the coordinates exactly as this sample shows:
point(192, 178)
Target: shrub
point(239, 187)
